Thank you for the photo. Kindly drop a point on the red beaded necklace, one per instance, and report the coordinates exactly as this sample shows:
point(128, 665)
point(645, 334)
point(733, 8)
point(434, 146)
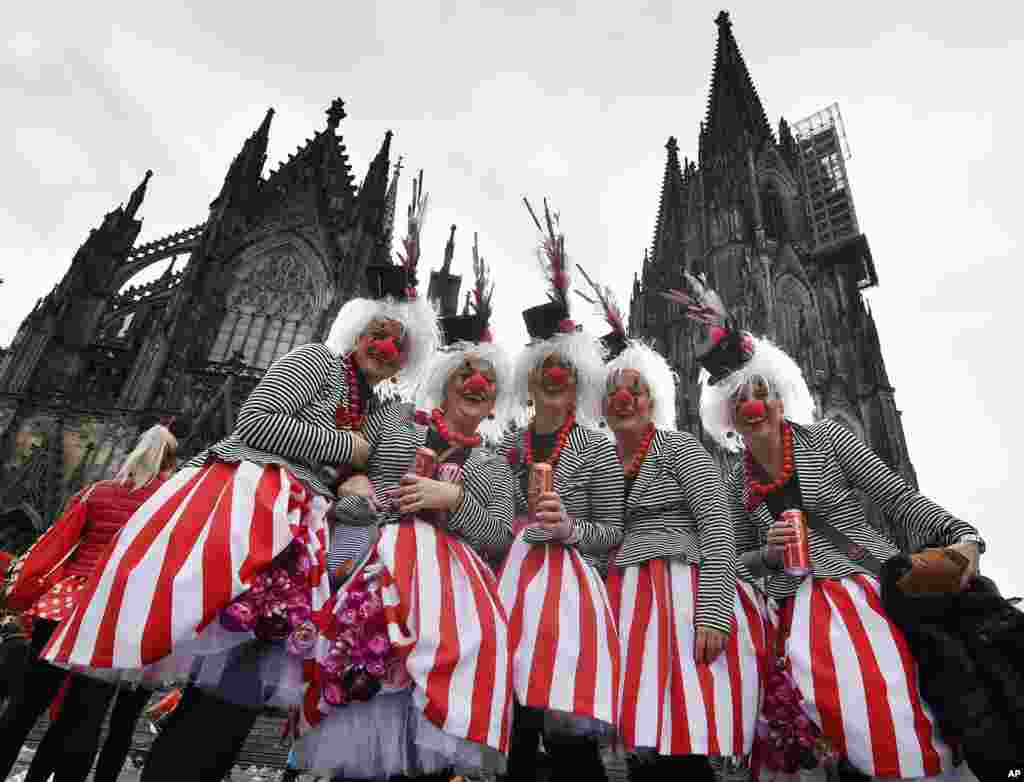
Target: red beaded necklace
point(758, 489)
point(453, 438)
point(349, 415)
point(632, 469)
point(560, 440)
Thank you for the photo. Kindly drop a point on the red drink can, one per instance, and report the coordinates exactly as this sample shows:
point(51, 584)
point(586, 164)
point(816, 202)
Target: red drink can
point(542, 481)
point(426, 462)
point(796, 557)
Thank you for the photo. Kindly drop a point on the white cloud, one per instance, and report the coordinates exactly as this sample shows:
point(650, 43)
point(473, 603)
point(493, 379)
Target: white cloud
point(549, 162)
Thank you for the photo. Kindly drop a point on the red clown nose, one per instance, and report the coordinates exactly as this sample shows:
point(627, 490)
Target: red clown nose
point(476, 384)
point(557, 376)
point(621, 399)
point(384, 349)
point(753, 408)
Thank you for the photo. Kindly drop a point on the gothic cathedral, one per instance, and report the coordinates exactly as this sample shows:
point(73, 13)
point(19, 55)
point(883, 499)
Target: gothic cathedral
point(768, 219)
point(766, 216)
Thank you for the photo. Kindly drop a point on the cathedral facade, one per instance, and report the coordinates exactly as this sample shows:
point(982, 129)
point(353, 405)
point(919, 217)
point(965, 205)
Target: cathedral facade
point(99, 360)
point(768, 219)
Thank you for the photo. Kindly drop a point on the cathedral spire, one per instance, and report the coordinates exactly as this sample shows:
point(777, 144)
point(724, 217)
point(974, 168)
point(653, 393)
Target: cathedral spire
point(391, 203)
point(734, 111)
point(138, 194)
point(668, 231)
point(246, 169)
point(377, 174)
point(372, 210)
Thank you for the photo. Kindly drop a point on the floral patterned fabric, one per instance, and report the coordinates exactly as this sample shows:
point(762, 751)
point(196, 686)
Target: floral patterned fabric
point(58, 603)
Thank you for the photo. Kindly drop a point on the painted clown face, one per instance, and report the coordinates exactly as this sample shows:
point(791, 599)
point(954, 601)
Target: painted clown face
point(627, 403)
point(553, 385)
point(472, 388)
point(757, 408)
point(381, 349)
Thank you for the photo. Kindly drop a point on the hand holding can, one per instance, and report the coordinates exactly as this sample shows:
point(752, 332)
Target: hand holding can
point(796, 555)
point(542, 481)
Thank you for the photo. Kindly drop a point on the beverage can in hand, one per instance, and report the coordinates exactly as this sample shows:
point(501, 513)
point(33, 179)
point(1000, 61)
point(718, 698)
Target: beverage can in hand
point(796, 557)
point(542, 481)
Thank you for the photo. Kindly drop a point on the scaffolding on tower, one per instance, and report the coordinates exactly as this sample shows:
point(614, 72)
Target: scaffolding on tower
point(823, 150)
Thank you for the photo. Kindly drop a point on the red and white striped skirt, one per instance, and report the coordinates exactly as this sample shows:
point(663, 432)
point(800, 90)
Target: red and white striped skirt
point(668, 701)
point(859, 680)
point(562, 631)
point(194, 545)
point(445, 620)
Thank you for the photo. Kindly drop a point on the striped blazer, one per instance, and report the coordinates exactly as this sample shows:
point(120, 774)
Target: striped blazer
point(289, 418)
point(588, 479)
point(676, 508)
point(485, 518)
point(831, 464)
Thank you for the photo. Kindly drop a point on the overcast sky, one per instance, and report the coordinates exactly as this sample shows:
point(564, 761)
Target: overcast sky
point(573, 101)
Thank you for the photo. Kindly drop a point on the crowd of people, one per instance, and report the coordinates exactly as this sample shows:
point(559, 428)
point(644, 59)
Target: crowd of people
point(437, 556)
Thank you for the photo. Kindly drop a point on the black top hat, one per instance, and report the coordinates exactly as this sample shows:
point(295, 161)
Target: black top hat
point(615, 342)
point(462, 328)
point(545, 320)
point(724, 357)
point(387, 279)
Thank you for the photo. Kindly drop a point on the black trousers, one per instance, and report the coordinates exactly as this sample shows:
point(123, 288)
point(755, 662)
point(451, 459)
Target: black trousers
point(200, 740)
point(41, 684)
point(70, 744)
point(570, 758)
point(687, 768)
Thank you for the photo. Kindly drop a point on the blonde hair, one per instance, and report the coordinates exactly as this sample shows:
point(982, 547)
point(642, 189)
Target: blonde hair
point(156, 446)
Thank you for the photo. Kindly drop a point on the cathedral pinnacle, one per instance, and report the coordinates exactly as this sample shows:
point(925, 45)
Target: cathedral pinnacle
point(335, 114)
point(723, 20)
point(138, 194)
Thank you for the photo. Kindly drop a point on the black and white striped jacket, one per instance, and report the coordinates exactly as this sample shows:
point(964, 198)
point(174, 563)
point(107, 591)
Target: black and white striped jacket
point(485, 518)
point(289, 418)
point(676, 508)
point(831, 464)
point(588, 479)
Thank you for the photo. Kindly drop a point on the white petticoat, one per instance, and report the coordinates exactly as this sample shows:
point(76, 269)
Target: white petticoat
point(389, 736)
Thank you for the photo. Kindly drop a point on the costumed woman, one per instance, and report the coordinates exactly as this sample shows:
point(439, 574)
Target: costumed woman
point(692, 638)
point(561, 627)
point(216, 579)
point(849, 662)
point(67, 555)
point(415, 681)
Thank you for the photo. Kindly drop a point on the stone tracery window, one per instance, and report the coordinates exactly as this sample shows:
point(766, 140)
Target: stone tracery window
point(271, 308)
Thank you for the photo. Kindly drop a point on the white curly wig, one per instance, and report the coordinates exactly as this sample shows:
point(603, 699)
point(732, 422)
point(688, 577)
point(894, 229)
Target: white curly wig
point(422, 332)
point(658, 375)
point(781, 371)
point(431, 391)
point(585, 353)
